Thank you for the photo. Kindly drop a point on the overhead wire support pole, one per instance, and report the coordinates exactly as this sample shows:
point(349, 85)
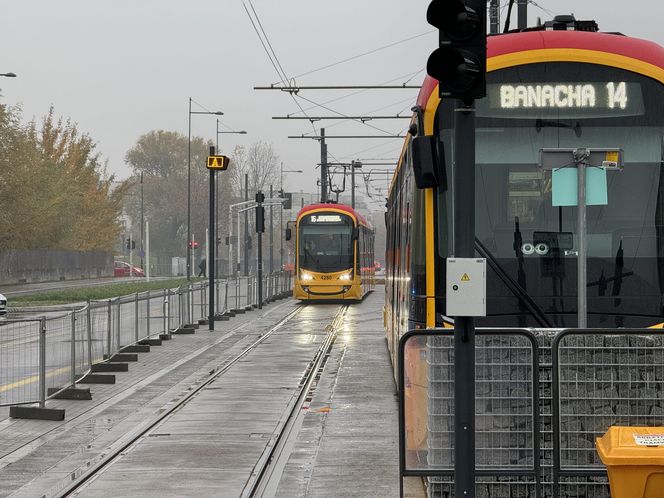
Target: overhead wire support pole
point(494, 15)
point(522, 14)
point(323, 167)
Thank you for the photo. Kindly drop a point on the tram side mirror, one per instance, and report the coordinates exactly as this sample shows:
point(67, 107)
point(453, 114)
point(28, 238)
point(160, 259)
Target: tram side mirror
point(356, 233)
point(288, 234)
point(428, 161)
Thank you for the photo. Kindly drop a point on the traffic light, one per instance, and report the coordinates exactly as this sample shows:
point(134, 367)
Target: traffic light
point(459, 63)
point(131, 244)
point(260, 218)
point(193, 244)
point(260, 197)
point(288, 200)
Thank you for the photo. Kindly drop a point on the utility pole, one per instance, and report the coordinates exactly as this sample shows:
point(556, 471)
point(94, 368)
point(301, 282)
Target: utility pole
point(246, 227)
point(494, 15)
point(522, 13)
point(323, 167)
point(352, 184)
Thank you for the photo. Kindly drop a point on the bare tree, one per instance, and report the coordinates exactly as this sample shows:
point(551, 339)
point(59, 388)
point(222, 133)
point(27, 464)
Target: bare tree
point(260, 162)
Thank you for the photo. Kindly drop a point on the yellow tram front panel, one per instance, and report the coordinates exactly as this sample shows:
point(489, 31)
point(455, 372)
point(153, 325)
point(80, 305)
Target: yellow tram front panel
point(311, 285)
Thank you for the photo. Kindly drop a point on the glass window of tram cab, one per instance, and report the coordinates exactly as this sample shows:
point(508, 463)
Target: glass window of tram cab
point(565, 105)
point(325, 242)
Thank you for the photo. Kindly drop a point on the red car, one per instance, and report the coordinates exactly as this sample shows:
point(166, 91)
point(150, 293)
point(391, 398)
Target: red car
point(122, 269)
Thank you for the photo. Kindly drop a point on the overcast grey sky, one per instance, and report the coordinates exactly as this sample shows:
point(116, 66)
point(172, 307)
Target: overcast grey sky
point(123, 67)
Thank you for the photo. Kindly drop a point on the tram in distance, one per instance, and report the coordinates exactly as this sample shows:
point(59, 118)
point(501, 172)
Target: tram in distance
point(334, 248)
point(567, 87)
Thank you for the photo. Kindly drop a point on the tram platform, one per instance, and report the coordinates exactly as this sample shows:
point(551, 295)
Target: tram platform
point(227, 398)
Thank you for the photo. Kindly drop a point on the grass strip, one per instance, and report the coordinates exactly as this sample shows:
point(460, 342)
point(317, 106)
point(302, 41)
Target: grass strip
point(81, 294)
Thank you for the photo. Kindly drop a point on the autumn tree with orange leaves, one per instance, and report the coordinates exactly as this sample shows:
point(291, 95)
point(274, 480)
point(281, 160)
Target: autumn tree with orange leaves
point(55, 192)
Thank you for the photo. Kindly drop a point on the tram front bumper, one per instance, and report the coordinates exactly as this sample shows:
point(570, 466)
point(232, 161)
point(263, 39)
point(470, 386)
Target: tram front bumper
point(316, 291)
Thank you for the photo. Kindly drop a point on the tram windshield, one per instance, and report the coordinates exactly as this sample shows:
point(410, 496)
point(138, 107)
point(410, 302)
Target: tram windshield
point(325, 242)
point(585, 106)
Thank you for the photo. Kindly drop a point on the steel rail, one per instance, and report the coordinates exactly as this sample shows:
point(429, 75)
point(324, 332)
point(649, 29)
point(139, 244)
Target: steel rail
point(265, 474)
point(116, 452)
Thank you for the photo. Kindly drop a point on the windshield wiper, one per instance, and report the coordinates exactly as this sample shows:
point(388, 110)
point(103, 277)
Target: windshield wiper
point(518, 291)
point(543, 123)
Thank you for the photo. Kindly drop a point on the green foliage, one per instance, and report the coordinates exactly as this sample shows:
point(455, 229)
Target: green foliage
point(82, 294)
point(54, 190)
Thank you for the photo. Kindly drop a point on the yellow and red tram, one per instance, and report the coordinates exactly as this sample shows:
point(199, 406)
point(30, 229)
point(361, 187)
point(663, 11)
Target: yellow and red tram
point(546, 88)
point(334, 247)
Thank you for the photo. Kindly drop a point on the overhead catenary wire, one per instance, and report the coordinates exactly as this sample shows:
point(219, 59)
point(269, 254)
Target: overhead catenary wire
point(352, 94)
point(271, 53)
point(364, 54)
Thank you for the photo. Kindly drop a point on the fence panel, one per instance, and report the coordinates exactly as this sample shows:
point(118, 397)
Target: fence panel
point(601, 378)
point(507, 411)
point(19, 362)
point(58, 366)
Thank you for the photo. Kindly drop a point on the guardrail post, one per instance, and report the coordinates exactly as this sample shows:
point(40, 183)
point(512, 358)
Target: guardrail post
point(108, 330)
point(72, 377)
point(89, 320)
point(147, 316)
point(237, 292)
point(136, 317)
point(203, 302)
point(119, 314)
point(180, 306)
point(166, 319)
point(42, 362)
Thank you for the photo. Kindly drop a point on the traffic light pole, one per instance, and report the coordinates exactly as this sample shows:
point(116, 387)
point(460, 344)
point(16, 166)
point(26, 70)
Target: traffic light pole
point(464, 327)
point(260, 226)
point(211, 250)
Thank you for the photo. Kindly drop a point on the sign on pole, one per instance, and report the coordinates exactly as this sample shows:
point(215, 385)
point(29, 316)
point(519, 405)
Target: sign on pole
point(218, 163)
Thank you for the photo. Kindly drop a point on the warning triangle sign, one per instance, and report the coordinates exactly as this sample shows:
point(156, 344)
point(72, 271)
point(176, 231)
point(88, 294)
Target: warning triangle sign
point(465, 278)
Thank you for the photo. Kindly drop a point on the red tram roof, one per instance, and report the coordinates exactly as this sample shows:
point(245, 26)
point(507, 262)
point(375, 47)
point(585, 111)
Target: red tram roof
point(634, 48)
point(341, 207)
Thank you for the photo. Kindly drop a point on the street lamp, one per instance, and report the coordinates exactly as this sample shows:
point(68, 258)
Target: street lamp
point(215, 113)
point(8, 75)
point(281, 211)
point(216, 207)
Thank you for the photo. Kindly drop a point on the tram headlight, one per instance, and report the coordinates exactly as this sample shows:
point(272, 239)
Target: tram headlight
point(307, 276)
point(346, 276)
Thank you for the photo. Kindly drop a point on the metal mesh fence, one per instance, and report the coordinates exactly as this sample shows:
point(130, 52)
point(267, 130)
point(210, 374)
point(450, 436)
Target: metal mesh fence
point(19, 362)
point(100, 336)
point(49, 354)
point(58, 367)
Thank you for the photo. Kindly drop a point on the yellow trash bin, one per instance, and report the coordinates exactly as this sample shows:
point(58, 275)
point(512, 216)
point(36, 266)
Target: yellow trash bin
point(634, 457)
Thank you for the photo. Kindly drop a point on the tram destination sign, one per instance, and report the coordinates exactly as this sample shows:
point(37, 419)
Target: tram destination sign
point(565, 99)
point(325, 218)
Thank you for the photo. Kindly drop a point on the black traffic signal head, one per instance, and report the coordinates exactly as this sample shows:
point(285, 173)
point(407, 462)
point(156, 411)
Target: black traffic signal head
point(260, 219)
point(260, 197)
point(459, 64)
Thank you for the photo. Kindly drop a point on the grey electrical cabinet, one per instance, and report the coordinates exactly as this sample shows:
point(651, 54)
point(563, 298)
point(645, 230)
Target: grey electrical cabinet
point(466, 287)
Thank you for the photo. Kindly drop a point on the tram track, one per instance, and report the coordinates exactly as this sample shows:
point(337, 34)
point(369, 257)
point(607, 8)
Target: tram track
point(95, 469)
point(265, 476)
